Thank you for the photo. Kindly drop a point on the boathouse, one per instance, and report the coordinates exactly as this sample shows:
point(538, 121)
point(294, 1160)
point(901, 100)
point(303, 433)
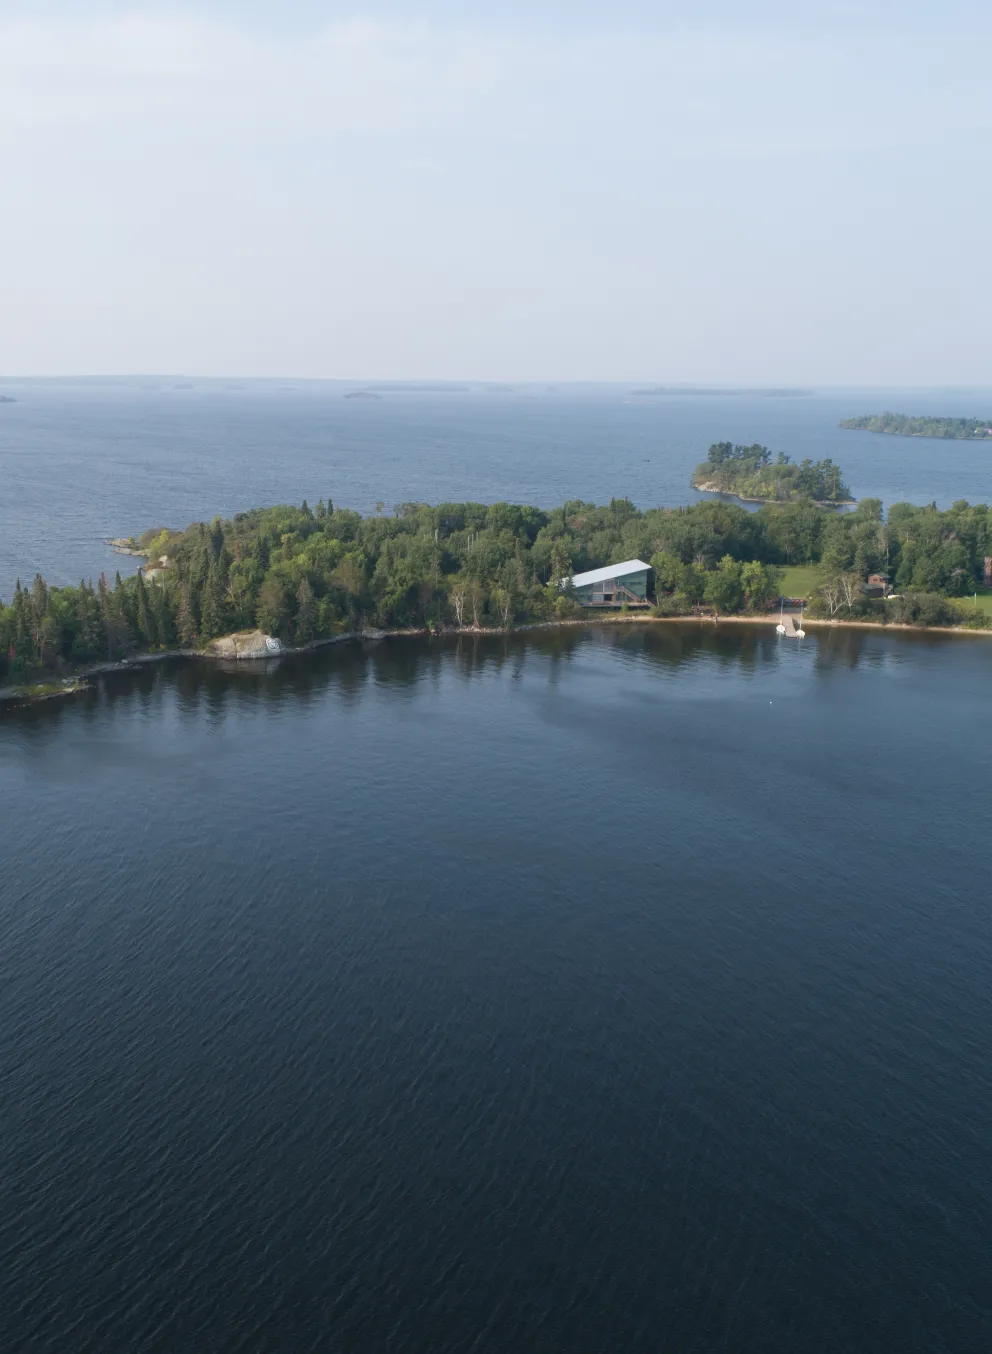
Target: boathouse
point(617, 585)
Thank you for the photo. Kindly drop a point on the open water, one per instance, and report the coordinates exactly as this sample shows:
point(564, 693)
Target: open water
point(617, 990)
point(80, 462)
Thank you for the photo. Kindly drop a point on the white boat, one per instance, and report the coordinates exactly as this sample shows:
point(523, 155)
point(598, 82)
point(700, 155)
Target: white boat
point(787, 625)
point(780, 628)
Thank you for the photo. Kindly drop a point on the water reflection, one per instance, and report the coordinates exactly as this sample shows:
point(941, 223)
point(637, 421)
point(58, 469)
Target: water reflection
point(403, 663)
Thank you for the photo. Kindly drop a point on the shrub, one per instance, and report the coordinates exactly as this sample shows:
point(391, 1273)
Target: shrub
point(922, 608)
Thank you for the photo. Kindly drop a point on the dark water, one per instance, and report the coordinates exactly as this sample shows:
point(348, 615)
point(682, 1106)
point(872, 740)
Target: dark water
point(623, 991)
point(79, 463)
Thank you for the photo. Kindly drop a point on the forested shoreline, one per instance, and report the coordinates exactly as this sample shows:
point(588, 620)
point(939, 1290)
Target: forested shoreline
point(750, 473)
point(302, 574)
point(910, 425)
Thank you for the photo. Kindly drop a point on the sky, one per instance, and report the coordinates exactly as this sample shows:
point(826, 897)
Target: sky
point(651, 192)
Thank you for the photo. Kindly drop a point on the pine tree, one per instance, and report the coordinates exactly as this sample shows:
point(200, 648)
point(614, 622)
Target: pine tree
point(87, 622)
point(22, 622)
point(216, 537)
point(186, 621)
point(147, 629)
point(305, 613)
point(162, 615)
point(40, 596)
point(121, 613)
point(106, 616)
point(212, 604)
point(39, 611)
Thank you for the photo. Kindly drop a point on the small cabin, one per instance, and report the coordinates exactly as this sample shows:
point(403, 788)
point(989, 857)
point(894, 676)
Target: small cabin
point(617, 585)
point(877, 585)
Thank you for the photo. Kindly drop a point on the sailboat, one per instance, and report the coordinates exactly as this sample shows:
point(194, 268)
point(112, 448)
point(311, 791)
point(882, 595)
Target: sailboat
point(780, 628)
point(800, 632)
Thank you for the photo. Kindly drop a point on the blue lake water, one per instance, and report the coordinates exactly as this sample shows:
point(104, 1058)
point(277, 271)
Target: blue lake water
point(81, 462)
point(623, 990)
point(617, 990)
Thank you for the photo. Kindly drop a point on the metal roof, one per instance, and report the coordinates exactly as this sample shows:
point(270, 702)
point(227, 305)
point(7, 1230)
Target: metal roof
point(630, 566)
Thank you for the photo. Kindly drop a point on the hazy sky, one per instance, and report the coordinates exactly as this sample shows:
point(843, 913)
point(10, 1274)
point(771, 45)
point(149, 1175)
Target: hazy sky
point(708, 191)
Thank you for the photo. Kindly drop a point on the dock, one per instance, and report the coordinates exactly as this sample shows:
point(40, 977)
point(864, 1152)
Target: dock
point(787, 626)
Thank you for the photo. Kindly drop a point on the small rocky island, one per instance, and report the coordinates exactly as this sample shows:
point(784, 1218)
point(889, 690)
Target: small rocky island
point(914, 425)
point(750, 474)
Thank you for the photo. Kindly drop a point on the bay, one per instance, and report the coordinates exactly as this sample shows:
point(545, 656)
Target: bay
point(86, 460)
point(623, 989)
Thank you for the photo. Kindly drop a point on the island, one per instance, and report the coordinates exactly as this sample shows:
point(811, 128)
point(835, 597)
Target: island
point(7, 399)
point(750, 474)
point(912, 425)
point(767, 392)
point(284, 579)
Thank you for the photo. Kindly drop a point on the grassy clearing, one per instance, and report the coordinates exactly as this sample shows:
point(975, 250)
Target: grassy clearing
point(984, 599)
point(799, 580)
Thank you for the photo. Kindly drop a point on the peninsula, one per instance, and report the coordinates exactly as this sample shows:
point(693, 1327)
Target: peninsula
point(911, 425)
point(750, 474)
point(292, 577)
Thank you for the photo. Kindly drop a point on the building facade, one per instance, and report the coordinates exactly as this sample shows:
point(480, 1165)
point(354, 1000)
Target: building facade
point(614, 586)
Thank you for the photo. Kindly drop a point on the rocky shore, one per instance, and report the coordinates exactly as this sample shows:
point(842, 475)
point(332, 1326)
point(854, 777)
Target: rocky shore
point(253, 646)
point(126, 545)
point(708, 487)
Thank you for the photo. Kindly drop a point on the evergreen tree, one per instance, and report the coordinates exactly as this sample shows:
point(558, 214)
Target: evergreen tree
point(212, 605)
point(145, 621)
point(38, 612)
point(162, 615)
point(87, 614)
point(216, 537)
point(305, 613)
point(22, 623)
point(106, 614)
point(39, 596)
point(186, 621)
point(123, 621)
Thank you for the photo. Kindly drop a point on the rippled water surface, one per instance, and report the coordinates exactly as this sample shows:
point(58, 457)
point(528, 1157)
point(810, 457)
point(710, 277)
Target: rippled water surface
point(85, 461)
point(624, 990)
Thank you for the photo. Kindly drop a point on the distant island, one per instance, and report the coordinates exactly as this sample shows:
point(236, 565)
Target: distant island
point(290, 578)
point(750, 474)
point(362, 395)
point(768, 393)
point(7, 399)
point(909, 425)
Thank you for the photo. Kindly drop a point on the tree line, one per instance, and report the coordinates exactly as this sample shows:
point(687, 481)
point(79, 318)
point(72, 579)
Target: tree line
point(303, 573)
point(909, 425)
point(750, 472)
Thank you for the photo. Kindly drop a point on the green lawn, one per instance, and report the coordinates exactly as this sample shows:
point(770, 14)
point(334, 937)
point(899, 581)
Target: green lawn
point(799, 580)
point(984, 599)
